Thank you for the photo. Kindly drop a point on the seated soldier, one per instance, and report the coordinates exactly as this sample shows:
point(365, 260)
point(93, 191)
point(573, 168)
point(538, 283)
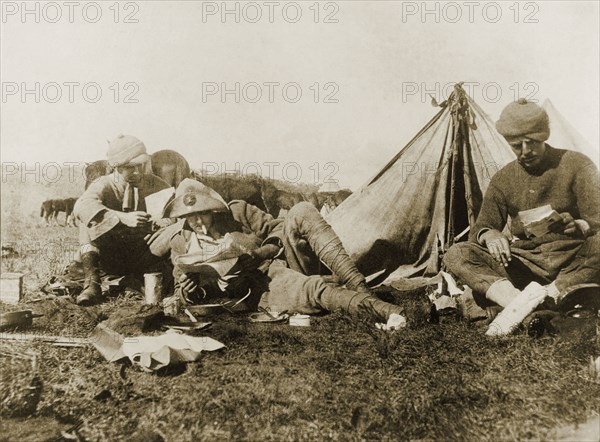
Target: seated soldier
point(115, 230)
point(561, 259)
point(283, 256)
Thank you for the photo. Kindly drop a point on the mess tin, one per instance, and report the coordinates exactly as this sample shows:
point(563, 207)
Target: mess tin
point(20, 319)
point(206, 309)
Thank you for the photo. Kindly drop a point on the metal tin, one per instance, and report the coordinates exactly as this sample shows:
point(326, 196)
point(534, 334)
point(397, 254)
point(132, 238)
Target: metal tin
point(153, 288)
point(11, 287)
point(300, 320)
point(206, 309)
point(18, 319)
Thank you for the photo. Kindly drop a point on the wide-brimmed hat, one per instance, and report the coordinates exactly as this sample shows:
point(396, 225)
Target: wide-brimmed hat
point(192, 196)
point(126, 149)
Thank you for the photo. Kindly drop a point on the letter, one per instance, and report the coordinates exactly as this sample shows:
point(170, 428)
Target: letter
point(57, 95)
point(408, 9)
point(209, 168)
point(298, 172)
point(35, 91)
point(209, 88)
point(71, 7)
point(452, 17)
point(25, 12)
point(408, 168)
point(57, 13)
point(98, 12)
point(436, 92)
point(257, 95)
point(235, 91)
point(9, 8)
point(435, 11)
point(235, 11)
point(35, 172)
point(298, 12)
point(408, 88)
point(497, 94)
point(8, 168)
point(257, 13)
point(271, 171)
point(9, 88)
point(209, 8)
point(498, 14)
point(71, 89)
point(271, 7)
point(86, 96)
point(71, 165)
point(45, 175)
point(471, 10)
point(271, 86)
point(298, 93)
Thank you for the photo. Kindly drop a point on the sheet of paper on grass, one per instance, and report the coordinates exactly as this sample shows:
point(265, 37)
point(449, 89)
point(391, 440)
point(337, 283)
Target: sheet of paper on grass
point(537, 222)
point(156, 202)
point(151, 352)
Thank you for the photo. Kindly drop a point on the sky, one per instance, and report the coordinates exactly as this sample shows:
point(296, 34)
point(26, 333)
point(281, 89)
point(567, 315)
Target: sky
point(303, 91)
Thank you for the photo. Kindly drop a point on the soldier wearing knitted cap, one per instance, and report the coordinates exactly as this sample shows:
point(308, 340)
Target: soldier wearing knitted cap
point(229, 250)
point(114, 227)
point(498, 265)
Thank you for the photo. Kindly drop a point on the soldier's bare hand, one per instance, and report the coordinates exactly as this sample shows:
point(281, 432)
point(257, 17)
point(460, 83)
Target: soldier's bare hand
point(568, 226)
point(498, 246)
point(134, 219)
point(187, 284)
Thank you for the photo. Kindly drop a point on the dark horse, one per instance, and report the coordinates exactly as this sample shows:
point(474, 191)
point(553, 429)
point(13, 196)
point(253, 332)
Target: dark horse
point(233, 187)
point(51, 208)
point(167, 164)
point(276, 199)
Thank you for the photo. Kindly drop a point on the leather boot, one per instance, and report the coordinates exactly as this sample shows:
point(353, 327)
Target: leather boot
point(334, 298)
point(328, 247)
point(92, 291)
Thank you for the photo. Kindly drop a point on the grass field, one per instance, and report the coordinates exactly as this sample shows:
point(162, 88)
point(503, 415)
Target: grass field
point(338, 380)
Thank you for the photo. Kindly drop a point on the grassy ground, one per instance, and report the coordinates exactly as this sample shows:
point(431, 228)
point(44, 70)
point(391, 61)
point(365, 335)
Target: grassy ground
point(337, 380)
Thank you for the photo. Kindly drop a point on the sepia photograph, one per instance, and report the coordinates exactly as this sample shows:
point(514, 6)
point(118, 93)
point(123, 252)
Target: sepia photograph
point(310, 220)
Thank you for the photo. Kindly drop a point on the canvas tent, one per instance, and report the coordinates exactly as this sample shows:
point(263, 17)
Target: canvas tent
point(430, 192)
point(563, 135)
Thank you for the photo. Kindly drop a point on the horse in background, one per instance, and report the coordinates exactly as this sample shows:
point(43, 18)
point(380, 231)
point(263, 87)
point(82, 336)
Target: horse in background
point(50, 210)
point(235, 187)
point(277, 200)
point(47, 211)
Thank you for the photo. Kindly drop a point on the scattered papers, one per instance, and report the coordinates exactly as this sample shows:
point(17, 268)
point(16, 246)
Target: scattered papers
point(156, 202)
point(537, 222)
point(151, 352)
point(445, 303)
point(394, 322)
point(453, 289)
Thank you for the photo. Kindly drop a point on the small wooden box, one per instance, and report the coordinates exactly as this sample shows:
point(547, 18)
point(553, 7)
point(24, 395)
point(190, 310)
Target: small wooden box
point(11, 287)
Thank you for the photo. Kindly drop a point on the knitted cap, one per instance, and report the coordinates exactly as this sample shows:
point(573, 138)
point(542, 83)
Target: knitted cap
point(523, 118)
point(126, 149)
point(192, 196)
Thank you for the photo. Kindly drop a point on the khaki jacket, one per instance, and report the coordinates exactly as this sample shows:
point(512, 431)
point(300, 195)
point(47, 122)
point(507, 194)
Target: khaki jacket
point(94, 208)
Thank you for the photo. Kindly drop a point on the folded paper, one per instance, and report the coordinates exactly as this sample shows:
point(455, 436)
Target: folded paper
point(151, 352)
